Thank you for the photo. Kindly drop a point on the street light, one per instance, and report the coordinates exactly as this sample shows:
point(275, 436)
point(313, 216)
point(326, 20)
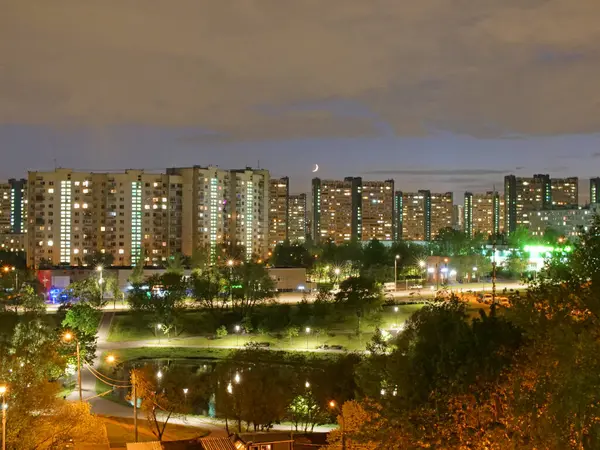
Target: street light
point(3, 390)
point(307, 334)
point(68, 336)
point(100, 269)
point(395, 309)
point(333, 405)
point(159, 327)
point(237, 335)
point(396, 273)
point(230, 264)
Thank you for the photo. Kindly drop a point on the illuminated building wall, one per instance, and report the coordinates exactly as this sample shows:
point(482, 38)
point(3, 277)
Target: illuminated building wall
point(594, 190)
point(442, 212)
point(566, 222)
point(279, 198)
point(378, 210)
point(297, 223)
point(416, 216)
point(483, 213)
point(565, 192)
point(524, 196)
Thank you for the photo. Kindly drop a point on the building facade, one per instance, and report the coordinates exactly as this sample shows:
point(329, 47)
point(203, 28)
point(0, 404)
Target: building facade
point(524, 196)
point(378, 210)
point(13, 206)
point(279, 196)
point(442, 212)
point(567, 222)
point(565, 193)
point(483, 213)
point(224, 207)
point(297, 218)
point(416, 215)
point(335, 213)
point(595, 190)
point(72, 214)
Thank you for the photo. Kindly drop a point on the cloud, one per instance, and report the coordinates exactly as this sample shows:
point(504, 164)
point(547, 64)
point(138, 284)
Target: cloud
point(596, 155)
point(487, 69)
point(437, 172)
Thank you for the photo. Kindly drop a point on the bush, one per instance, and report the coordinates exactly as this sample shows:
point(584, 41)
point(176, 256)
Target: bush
point(221, 331)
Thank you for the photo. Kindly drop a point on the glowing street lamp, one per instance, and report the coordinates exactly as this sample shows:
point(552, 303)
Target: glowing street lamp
point(396, 259)
point(111, 360)
point(68, 336)
point(237, 335)
point(307, 334)
point(333, 405)
point(237, 378)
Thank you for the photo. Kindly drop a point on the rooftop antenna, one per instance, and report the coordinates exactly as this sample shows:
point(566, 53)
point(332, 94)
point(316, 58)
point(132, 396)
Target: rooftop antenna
point(259, 163)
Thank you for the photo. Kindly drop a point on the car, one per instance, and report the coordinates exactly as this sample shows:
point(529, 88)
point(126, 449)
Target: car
point(416, 286)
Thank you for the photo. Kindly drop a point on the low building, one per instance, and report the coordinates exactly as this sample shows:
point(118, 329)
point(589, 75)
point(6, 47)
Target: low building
point(567, 222)
point(290, 279)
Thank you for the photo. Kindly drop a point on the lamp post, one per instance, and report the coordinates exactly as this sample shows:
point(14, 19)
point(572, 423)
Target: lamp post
point(4, 408)
point(422, 265)
point(337, 272)
point(396, 273)
point(230, 264)
point(333, 405)
point(237, 335)
point(68, 336)
point(307, 334)
point(100, 270)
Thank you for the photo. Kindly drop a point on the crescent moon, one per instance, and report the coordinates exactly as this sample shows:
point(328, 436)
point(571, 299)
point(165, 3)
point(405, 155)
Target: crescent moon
point(316, 168)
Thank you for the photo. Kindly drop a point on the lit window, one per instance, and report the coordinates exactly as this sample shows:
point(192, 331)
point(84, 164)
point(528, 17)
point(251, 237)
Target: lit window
point(121, 251)
point(76, 251)
point(76, 206)
point(50, 243)
point(85, 205)
point(86, 190)
point(51, 191)
point(102, 228)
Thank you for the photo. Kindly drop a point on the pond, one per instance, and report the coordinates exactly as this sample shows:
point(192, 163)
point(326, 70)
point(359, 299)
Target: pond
point(261, 393)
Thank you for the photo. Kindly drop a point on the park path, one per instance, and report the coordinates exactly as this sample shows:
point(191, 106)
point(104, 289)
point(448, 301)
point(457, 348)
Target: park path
point(104, 407)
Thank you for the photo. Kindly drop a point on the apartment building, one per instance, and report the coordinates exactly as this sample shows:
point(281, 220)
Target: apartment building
point(224, 207)
point(567, 222)
point(336, 212)
point(279, 196)
point(565, 193)
point(297, 218)
point(378, 210)
point(483, 213)
point(523, 196)
point(595, 190)
point(13, 206)
point(415, 216)
point(73, 213)
point(442, 212)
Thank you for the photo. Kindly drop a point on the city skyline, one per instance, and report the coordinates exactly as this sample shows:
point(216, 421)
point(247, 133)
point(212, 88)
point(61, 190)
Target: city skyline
point(417, 89)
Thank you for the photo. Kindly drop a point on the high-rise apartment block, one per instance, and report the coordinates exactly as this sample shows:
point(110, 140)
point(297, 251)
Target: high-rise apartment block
point(442, 211)
point(72, 214)
point(378, 210)
point(595, 190)
point(297, 218)
point(524, 196)
point(565, 192)
point(13, 207)
point(483, 213)
point(416, 215)
point(424, 214)
point(353, 209)
point(279, 195)
point(134, 214)
point(224, 207)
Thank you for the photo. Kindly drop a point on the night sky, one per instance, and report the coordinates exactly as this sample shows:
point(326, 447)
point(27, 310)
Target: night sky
point(437, 94)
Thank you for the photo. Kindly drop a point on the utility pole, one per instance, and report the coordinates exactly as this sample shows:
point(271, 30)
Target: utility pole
point(134, 395)
point(79, 371)
point(3, 405)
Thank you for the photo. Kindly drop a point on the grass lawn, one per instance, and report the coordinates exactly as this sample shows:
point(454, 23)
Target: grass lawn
point(126, 327)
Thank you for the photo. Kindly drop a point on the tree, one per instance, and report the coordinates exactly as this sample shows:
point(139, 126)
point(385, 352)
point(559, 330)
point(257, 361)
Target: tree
point(96, 259)
point(87, 290)
point(175, 264)
point(208, 287)
point(162, 396)
point(360, 295)
point(305, 412)
point(137, 274)
point(257, 287)
point(30, 301)
point(163, 297)
point(83, 318)
point(291, 255)
point(351, 420)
